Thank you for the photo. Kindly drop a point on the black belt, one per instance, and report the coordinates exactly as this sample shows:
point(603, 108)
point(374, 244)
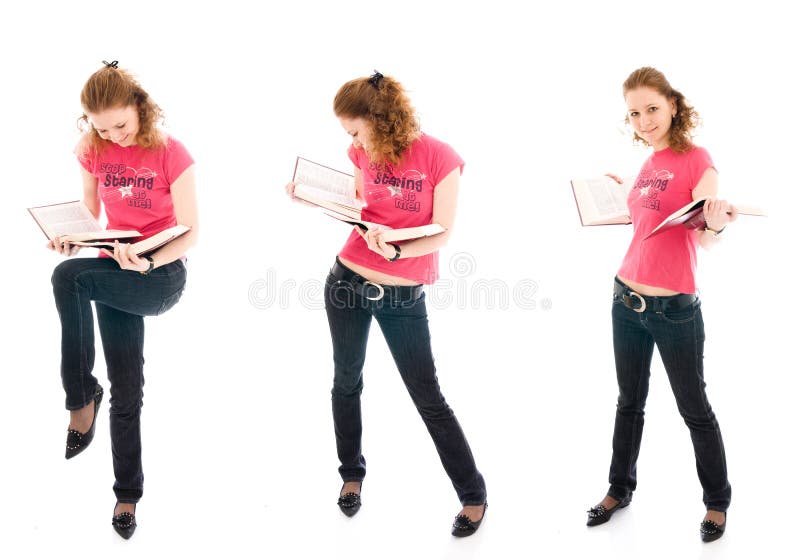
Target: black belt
point(373, 291)
point(659, 304)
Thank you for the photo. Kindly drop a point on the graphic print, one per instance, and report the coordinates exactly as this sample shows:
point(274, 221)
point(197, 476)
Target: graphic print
point(650, 184)
point(120, 184)
point(402, 188)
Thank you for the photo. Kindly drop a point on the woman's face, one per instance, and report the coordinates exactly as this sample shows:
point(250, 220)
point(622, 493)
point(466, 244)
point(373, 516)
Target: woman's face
point(358, 129)
point(119, 125)
point(650, 114)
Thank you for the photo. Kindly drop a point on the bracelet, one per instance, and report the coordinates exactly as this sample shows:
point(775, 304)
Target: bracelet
point(149, 268)
point(396, 252)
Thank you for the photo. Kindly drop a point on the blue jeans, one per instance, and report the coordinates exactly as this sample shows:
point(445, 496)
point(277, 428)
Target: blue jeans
point(679, 336)
point(405, 327)
point(122, 299)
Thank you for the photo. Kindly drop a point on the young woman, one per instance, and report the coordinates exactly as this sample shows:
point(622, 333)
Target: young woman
point(145, 181)
point(654, 296)
point(406, 178)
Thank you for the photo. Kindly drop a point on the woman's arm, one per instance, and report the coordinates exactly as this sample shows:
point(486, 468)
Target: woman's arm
point(184, 200)
point(717, 213)
point(90, 196)
point(445, 196)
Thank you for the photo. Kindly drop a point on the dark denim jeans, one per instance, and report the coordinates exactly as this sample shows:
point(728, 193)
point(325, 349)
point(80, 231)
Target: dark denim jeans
point(122, 299)
point(405, 328)
point(679, 336)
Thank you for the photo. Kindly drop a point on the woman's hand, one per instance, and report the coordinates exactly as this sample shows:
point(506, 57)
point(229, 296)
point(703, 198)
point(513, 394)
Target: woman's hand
point(375, 242)
point(64, 248)
point(289, 188)
point(718, 213)
point(126, 258)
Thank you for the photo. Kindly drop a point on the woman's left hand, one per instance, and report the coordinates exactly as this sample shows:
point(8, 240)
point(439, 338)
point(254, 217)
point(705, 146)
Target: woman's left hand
point(126, 258)
point(375, 242)
point(718, 213)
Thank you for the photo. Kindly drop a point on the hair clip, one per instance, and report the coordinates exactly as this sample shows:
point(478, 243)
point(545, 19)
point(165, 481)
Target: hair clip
point(112, 64)
point(375, 79)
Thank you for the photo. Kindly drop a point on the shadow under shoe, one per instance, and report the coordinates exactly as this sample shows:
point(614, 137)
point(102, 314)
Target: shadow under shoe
point(350, 503)
point(124, 523)
point(76, 441)
point(463, 526)
point(599, 514)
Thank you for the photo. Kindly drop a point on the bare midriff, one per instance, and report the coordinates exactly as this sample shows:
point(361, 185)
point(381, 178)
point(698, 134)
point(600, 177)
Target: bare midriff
point(646, 290)
point(376, 276)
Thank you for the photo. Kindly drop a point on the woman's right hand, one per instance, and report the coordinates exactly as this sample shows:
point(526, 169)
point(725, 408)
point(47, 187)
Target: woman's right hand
point(289, 188)
point(64, 248)
point(617, 178)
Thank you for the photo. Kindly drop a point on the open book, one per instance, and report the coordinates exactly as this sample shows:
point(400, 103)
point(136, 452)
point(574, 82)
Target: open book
point(602, 201)
point(691, 216)
point(390, 234)
point(326, 187)
point(73, 222)
point(335, 193)
point(145, 246)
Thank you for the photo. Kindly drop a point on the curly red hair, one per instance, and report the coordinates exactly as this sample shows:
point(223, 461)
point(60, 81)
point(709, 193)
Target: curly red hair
point(686, 118)
point(382, 102)
point(110, 88)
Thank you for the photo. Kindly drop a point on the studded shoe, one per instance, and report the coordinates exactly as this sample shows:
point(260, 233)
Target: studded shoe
point(76, 441)
point(599, 514)
point(350, 503)
point(463, 526)
point(124, 523)
point(710, 531)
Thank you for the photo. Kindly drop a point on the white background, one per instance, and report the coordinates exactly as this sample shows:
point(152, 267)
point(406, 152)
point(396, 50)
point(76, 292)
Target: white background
point(239, 451)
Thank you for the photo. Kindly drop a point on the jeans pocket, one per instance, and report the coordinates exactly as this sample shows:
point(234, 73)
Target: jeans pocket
point(339, 294)
point(683, 315)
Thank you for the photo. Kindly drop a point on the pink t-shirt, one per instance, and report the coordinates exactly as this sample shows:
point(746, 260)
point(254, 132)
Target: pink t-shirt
point(665, 183)
point(402, 196)
point(133, 184)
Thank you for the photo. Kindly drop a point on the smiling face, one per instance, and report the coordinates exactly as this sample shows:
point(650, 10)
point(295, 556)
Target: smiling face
point(119, 125)
point(650, 114)
point(358, 129)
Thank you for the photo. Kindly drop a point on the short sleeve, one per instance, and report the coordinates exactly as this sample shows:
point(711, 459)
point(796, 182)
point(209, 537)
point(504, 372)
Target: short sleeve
point(87, 157)
point(444, 159)
point(176, 160)
point(356, 155)
point(699, 163)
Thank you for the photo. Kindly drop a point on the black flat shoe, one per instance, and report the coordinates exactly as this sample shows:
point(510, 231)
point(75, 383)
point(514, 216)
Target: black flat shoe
point(599, 514)
point(124, 524)
point(710, 531)
point(350, 503)
point(76, 441)
point(463, 526)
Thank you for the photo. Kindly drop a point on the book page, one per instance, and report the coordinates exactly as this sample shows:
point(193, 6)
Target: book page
point(64, 219)
point(325, 183)
point(608, 197)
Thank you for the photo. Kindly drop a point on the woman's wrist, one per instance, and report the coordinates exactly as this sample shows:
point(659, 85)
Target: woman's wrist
point(150, 266)
point(712, 233)
point(395, 252)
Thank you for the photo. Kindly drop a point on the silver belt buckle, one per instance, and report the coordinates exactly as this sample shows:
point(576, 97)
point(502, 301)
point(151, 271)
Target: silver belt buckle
point(644, 303)
point(380, 291)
